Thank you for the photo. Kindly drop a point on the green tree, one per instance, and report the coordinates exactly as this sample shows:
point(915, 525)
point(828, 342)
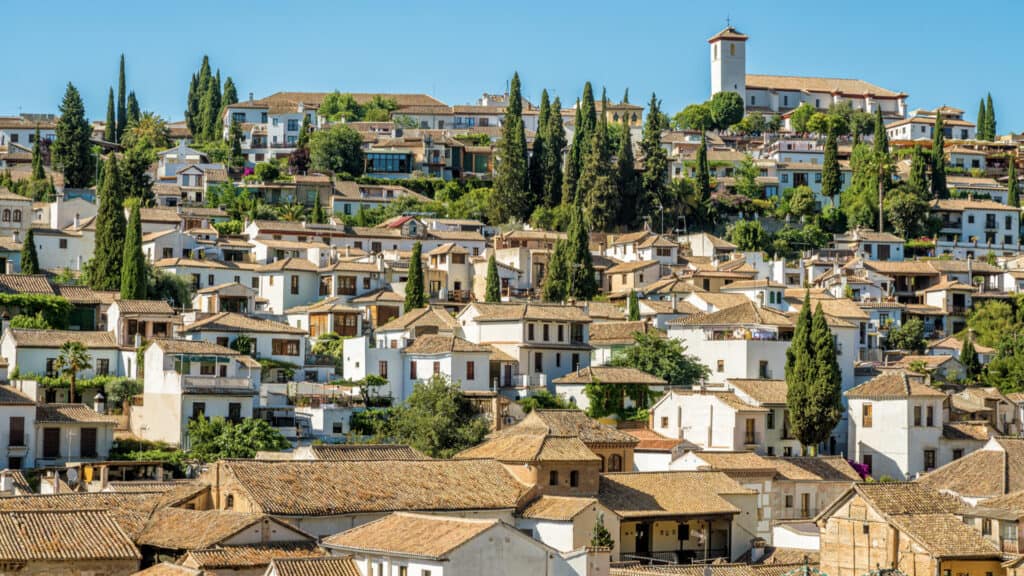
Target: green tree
point(436, 419)
point(218, 438)
point(726, 109)
point(105, 265)
point(556, 282)
point(881, 139)
point(73, 358)
point(860, 199)
point(653, 180)
point(235, 135)
point(634, 307)
point(319, 216)
point(554, 148)
point(816, 381)
point(230, 94)
point(110, 126)
point(969, 359)
point(304, 130)
point(990, 118)
point(511, 180)
point(37, 322)
point(133, 263)
point(574, 159)
point(337, 150)
point(703, 170)
point(748, 235)
point(601, 537)
point(72, 150)
point(147, 131)
point(694, 117)
point(581, 285)
point(939, 189)
point(135, 172)
point(991, 321)
point(665, 358)
point(909, 337)
point(982, 119)
point(341, 106)
point(831, 178)
point(627, 215)
point(37, 158)
point(1012, 184)
point(543, 400)
point(134, 113)
point(918, 181)
point(803, 113)
point(905, 211)
point(537, 155)
point(209, 109)
point(597, 181)
point(122, 102)
point(29, 258)
point(414, 296)
point(493, 290)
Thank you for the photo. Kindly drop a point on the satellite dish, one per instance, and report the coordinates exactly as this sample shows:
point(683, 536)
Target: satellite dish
point(72, 476)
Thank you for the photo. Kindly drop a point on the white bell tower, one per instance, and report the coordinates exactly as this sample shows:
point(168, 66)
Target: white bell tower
point(729, 62)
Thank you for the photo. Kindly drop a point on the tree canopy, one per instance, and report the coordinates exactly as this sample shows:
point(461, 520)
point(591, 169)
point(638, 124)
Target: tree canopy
point(436, 419)
point(337, 150)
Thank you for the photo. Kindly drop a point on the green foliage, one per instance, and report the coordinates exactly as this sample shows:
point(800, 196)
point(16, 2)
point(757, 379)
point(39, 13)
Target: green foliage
point(969, 359)
point(634, 307)
point(554, 149)
point(654, 178)
point(556, 283)
point(1012, 184)
point(703, 176)
point(801, 116)
point(337, 150)
point(601, 537)
point(267, 171)
point(664, 358)
point(171, 288)
point(582, 284)
point(54, 309)
point(247, 344)
point(812, 377)
point(939, 188)
point(543, 400)
point(597, 185)
point(860, 199)
point(992, 320)
point(229, 228)
point(105, 266)
point(831, 178)
point(72, 149)
point(218, 438)
point(493, 283)
point(553, 218)
point(73, 358)
point(909, 336)
point(436, 419)
point(110, 126)
point(145, 450)
point(149, 132)
point(36, 322)
point(748, 235)
point(905, 211)
point(122, 107)
point(333, 345)
point(339, 106)
point(29, 257)
point(694, 117)
point(414, 296)
point(133, 263)
point(511, 180)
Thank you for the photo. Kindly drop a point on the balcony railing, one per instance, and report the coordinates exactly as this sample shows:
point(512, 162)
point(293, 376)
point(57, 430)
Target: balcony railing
point(215, 382)
point(751, 439)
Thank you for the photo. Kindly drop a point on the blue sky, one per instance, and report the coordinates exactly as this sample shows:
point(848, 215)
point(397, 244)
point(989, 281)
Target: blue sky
point(456, 49)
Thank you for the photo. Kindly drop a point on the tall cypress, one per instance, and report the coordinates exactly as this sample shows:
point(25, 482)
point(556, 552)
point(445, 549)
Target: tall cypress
point(414, 296)
point(318, 216)
point(29, 258)
point(511, 183)
point(579, 265)
point(825, 407)
point(133, 263)
point(799, 368)
point(192, 106)
point(939, 189)
point(304, 131)
point(980, 126)
point(554, 147)
point(72, 150)
point(209, 110)
point(597, 184)
point(122, 102)
point(703, 169)
point(537, 157)
point(634, 307)
point(110, 128)
point(625, 175)
point(655, 175)
point(574, 161)
point(990, 118)
point(881, 140)
point(556, 281)
point(831, 179)
point(1012, 191)
point(134, 113)
point(37, 158)
point(492, 292)
point(105, 266)
point(919, 173)
point(230, 95)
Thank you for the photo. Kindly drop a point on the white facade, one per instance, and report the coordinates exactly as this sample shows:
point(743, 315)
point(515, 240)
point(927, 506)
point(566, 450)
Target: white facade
point(712, 421)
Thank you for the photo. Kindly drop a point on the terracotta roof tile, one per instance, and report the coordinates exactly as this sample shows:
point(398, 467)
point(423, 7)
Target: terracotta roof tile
point(169, 569)
point(25, 284)
point(894, 384)
point(744, 314)
point(902, 498)
point(651, 441)
point(144, 307)
point(63, 536)
point(610, 375)
point(425, 536)
point(71, 414)
point(326, 566)
point(824, 468)
point(493, 312)
point(647, 494)
point(232, 322)
point(764, 392)
point(945, 536)
point(441, 344)
point(428, 316)
point(256, 556)
point(557, 508)
point(985, 473)
point(175, 528)
point(29, 338)
point(192, 347)
point(359, 452)
point(980, 431)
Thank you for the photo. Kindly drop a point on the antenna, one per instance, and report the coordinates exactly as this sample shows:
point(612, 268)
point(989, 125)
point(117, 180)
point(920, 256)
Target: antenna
point(728, 21)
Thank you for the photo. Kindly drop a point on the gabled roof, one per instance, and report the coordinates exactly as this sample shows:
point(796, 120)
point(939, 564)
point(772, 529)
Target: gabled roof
point(610, 375)
point(945, 536)
point(441, 344)
point(418, 317)
point(71, 414)
point(993, 470)
point(764, 392)
point(65, 536)
point(745, 314)
point(425, 536)
point(233, 322)
point(32, 338)
point(649, 494)
point(24, 284)
point(323, 566)
point(175, 528)
point(846, 86)
point(557, 508)
point(494, 312)
point(248, 557)
point(360, 452)
point(816, 468)
point(144, 307)
point(894, 385)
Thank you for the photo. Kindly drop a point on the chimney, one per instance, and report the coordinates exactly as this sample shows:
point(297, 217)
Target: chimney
point(104, 477)
point(756, 550)
point(77, 220)
point(250, 96)
point(6, 481)
point(99, 403)
point(599, 561)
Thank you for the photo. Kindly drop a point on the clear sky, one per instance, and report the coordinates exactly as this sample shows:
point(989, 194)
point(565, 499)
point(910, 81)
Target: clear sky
point(457, 49)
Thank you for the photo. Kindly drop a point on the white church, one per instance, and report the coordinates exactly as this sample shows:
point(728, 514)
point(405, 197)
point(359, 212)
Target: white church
point(781, 94)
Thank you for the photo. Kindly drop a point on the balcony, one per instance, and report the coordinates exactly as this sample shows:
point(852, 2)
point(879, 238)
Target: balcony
point(283, 145)
point(957, 310)
point(216, 385)
point(1011, 546)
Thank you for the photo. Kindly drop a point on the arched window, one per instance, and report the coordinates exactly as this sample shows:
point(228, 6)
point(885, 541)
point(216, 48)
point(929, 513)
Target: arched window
point(17, 215)
point(615, 117)
point(634, 117)
point(616, 465)
point(7, 215)
point(229, 502)
point(553, 478)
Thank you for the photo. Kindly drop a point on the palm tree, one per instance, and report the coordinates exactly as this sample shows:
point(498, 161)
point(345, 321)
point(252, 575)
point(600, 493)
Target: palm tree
point(149, 129)
point(291, 212)
point(73, 359)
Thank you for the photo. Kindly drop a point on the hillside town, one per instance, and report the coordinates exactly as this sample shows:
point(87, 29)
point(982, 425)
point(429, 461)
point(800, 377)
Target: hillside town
point(776, 333)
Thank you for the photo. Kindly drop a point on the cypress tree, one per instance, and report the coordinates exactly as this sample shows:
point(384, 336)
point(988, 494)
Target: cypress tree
point(209, 110)
point(798, 370)
point(703, 170)
point(881, 139)
point(574, 162)
point(133, 109)
point(122, 102)
point(969, 359)
point(825, 408)
point(939, 189)
point(625, 174)
point(588, 114)
point(579, 265)
point(133, 263)
point(655, 174)
point(29, 258)
point(537, 158)
point(1012, 192)
point(318, 216)
point(493, 285)
point(236, 144)
point(554, 146)
point(634, 306)
point(192, 106)
point(110, 127)
point(919, 173)
point(37, 158)
point(982, 121)
point(414, 297)
point(230, 95)
point(72, 150)
point(597, 185)
point(556, 281)
point(831, 179)
point(105, 266)
point(303, 140)
point(511, 183)
point(990, 118)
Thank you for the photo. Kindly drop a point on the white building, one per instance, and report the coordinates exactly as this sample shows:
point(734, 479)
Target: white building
point(280, 343)
point(921, 124)
point(34, 352)
point(973, 228)
point(714, 420)
point(71, 433)
point(18, 419)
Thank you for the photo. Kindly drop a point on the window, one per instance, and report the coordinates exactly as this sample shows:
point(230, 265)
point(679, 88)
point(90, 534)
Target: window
point(17, 216)
point(986, 527)
point(546, 331)
point(664, 421)
point(785, 100)
point(817, 177)
point(553, 478)
point(769, 421)
point(865, 528)
point(412, 369)
point(615, 464)
point(235, 412)
point(529, 331)
point(789, 500)
point(867, 461)
point(574, 478)
point(1009, 223)
point(732, 49)
point(558, 359)
point(284, 347)
point(721, 366)
point(561, 333)
point(538, 362)
point(51, 442)
point(208, 368)
point(929, 459)
point(198, 409)
point(917, 415)
point(293, 124)
point(295, 284)
point(16, 431)
point(958, 453)
point(382, 368)
point(763, 369)
point(930, 416)
point(784, 178)
point(63, 244)
point(437, 368)
point(470, 370)
point(865, 415)
point(255, 283)
point(229, 502)
point(102, 366)
point(575, 362)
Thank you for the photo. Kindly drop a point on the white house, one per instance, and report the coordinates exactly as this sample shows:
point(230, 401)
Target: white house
point(281, 343)
point(17, 424)
point(71, 433)
point(770, 395)
point(712, 420)
point(288, 283)
point(35, 352)
point(565, 523)
point(572, 386)
point(643, 245)
point(184, 379)
point(455, 358)
point(973, 228)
